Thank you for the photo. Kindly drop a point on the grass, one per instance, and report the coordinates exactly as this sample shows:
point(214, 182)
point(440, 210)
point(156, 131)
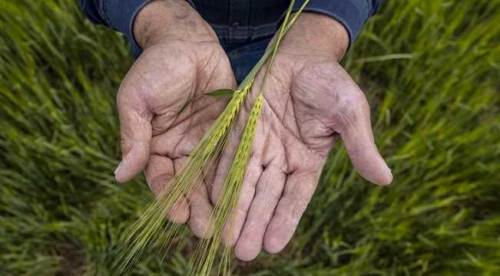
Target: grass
point(429, 68)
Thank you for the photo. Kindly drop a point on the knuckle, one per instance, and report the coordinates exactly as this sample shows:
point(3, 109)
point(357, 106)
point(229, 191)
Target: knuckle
point(350, 106)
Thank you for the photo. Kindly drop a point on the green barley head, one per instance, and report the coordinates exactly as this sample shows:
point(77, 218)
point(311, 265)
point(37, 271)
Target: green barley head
point(150, 227)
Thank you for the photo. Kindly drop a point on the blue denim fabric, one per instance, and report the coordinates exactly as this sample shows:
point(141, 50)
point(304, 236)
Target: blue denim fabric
point(244, 56)
point(235, 21)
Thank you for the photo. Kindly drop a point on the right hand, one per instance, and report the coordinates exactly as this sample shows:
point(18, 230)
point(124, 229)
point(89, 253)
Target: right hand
point(162, 105)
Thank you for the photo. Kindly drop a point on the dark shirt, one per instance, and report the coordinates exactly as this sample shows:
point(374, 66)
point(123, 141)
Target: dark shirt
point(234, 21)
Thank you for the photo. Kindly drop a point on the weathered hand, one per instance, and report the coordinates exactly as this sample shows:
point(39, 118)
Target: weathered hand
point(162, 105)
point(310, 100)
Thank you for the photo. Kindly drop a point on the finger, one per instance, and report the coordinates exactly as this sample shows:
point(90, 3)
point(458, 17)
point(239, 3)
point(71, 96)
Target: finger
point(225, 161)
point(179, 213)
point(268, 192)
point(237, 218)
point(159, 171)
point(200, 221)
point(299, 189)
point(199, 204)
point(135, 130)
point(354, 127)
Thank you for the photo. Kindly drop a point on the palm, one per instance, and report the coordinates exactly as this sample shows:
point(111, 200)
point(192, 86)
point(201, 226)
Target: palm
point(309, 100)
point(162, 100)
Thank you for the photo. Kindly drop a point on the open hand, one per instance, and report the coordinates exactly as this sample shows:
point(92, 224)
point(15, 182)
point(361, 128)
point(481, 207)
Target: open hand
point(309, 101)
point(162, 105)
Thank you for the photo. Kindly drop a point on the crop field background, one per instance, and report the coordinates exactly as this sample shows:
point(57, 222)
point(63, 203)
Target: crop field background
point(431, 70)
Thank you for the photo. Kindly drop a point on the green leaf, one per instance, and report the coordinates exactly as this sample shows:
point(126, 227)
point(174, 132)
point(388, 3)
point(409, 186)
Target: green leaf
point(225, 92)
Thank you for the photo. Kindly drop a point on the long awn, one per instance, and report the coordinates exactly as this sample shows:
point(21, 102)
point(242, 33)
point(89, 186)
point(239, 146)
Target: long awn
point(150, 228)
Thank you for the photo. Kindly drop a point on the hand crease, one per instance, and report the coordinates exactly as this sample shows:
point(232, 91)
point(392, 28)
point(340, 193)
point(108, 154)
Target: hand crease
point(298, 137)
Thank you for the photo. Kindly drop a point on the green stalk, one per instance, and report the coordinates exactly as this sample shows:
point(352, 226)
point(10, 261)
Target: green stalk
point(150, 226)
point(207, 252)
point(232, 187)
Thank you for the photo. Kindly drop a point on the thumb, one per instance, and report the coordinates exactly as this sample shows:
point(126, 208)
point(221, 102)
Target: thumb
point(352, 121)
point(135, 131)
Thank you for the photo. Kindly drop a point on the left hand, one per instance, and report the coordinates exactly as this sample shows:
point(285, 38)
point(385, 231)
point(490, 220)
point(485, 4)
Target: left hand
point(309, 100)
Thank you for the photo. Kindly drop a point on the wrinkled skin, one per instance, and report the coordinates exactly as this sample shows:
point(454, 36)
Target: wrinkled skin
point(309, 100)
point(164, 111)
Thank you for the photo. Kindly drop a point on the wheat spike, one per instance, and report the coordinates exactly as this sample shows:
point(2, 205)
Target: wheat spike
point(150, 226)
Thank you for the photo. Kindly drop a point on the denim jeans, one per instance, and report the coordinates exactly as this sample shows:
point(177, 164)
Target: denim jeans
point(244, 56)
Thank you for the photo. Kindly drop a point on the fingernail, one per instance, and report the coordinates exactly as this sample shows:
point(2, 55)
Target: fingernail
point(118, 168)
point(389, 177)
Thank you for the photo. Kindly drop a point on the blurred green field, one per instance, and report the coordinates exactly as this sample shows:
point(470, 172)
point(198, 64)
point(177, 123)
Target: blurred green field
point(431, 70)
